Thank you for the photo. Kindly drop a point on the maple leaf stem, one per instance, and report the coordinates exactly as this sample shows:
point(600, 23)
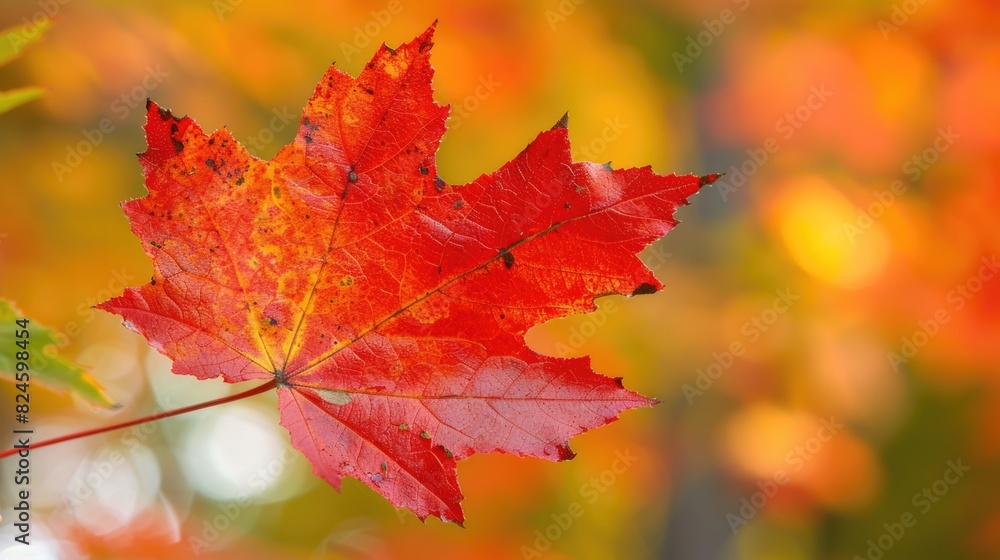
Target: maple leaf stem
point(151, 418)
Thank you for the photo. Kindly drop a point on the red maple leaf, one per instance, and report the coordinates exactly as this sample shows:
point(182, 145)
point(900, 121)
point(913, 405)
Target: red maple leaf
point(386, 306)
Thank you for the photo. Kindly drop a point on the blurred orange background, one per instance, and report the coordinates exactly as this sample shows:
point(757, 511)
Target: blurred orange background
point(825, 348)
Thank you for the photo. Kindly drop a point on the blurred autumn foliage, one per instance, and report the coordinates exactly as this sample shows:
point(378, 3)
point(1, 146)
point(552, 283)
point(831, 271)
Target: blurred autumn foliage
point(825, 347)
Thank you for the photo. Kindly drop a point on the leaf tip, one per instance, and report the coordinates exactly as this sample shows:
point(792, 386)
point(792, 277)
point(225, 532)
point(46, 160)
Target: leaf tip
point(565, 453)
point(152, 108)
point(562, 123)
point(426, 39)
point(643, 289)
point(709, 179)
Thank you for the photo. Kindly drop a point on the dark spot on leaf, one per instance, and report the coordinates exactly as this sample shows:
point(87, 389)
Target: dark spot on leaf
point(425, 435)
point(644, 288)
point(277, 192)
point(404, 427)
point(164, 113)
point(152, 281)
point(439, 183)
point(562, 122)
point(210, 163)
point(308, 139)
point(565, 453)
point(211, 141)
point(272, 321)
point(239, 181)
point(178, 145)
point(566, 206)
point(508, 259)
point(423, 170)
point(503, 316)
point(369, 91)
point(458, 204)
point(607, 166)
point(352, 177)
point(447, 452)
point(618, 381)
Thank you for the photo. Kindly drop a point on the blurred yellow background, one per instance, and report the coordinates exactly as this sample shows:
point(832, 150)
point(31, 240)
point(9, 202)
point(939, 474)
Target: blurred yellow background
point(825, 348)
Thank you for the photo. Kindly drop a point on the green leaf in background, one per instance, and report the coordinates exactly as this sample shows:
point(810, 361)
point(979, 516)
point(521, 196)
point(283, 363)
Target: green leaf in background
point(15, 97)
point(12, 42)
point(47, 369)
